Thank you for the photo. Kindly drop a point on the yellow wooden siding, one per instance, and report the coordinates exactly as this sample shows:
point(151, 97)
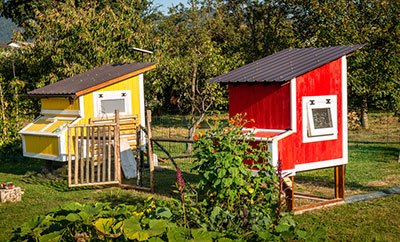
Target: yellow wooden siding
point(131, 84)
point(44, 145)
point(58, 104)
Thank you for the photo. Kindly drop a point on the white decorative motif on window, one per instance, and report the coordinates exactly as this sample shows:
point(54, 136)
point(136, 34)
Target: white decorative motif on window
point(105, 103)
point(319, 118)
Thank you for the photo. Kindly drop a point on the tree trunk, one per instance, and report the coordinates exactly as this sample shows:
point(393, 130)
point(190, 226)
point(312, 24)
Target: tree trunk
point(193, 122)
point(192, 131)
point(364, 114)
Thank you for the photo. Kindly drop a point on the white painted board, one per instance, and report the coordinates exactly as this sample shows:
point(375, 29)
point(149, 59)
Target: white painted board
point(128, 162)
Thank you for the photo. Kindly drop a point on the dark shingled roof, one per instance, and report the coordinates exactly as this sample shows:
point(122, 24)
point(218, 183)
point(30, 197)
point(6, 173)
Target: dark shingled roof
point(285, 65)
point(91, 80)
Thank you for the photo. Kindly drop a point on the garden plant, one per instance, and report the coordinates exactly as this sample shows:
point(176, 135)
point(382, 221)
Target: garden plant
point(234, 201)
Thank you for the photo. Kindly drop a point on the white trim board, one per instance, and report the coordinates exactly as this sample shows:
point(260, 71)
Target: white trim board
point(142, 109)
point(60, 112)
point(45, 157)
point(320, 164)
point(344, 109)
point(81, 107)
point(293, 106)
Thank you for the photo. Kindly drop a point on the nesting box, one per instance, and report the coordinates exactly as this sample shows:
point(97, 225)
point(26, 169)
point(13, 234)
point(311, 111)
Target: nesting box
point(96, 93)
point(298, 99)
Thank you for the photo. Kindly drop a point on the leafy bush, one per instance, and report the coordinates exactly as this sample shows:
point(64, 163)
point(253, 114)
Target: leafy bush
point(242, 199)
point(234, 201)
point(100, 222)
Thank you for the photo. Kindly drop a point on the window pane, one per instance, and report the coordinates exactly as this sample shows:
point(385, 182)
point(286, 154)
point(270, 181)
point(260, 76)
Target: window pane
point(108, 106)
point(322, 118)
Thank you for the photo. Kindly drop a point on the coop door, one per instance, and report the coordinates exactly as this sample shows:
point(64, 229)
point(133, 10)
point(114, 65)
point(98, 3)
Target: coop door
point(105, 103)
point(320, 118)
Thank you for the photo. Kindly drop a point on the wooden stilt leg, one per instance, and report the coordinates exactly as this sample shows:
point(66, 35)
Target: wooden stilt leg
point(289, 192)
point(339, 181)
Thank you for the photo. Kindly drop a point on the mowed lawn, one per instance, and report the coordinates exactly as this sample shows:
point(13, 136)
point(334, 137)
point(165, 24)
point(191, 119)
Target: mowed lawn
point(373, 165)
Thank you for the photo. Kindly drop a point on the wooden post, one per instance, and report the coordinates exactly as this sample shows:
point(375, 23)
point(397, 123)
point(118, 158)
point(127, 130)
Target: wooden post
point(289, 192)
point(76, 171)
point(81, 159)
point(117, 149)
point(69, 155)
point(109, 154)
point(87, 154)
point(104, 154)
point(339, 181)
point(140, 159)
point(92, 154)
point(150, 151)
point(98, 144)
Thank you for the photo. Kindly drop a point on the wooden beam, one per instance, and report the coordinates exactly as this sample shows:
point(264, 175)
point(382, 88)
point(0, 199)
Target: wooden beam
point(69, 155)
point(150, 151)
point(310, 207)
point(289, 191)
point(339, 181)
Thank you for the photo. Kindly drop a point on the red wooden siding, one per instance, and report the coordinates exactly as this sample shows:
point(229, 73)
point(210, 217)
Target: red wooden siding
point(267, 104)
point(325, 80)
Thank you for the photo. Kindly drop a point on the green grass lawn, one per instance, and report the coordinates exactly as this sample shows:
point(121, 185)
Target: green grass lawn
point(376, 220)
point(373, 165)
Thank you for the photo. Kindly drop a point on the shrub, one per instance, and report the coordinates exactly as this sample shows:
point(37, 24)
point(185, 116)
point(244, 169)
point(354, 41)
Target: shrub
point(241, 199)
point(234, 201)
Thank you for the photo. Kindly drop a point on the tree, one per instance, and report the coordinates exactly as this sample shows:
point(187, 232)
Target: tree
point(255, 28)
point(374, 71)
point(70, 38)
point(188, 56)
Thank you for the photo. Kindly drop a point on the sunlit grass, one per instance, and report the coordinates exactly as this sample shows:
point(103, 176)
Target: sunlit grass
point(374, 220)
point(373, 165)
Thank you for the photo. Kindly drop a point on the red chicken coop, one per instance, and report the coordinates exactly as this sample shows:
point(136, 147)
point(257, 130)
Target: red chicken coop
point(298, 99)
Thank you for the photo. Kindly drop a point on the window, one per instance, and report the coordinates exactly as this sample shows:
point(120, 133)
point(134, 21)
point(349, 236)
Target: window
point(319, 118)
point(105, 103)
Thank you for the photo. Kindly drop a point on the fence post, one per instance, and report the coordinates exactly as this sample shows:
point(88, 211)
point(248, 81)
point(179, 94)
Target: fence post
point(69, 155)
point(117, 153)
point(150, 151)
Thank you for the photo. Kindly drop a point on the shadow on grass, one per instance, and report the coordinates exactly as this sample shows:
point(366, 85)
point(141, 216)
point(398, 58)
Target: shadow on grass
point(118, 197)
point(378, 147)
point(165, 181)
point(310, 180)
point(21, 166)
point(374, 142)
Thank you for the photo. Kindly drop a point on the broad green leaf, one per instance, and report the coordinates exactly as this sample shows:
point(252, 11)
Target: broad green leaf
point(72, 217)
point(104, 225)
point(157, 227)
point(179, 234)
point(85, 216)
point(72, 207)
point(155, 239)
point(282, 228)
point(163, 212)
point(224, 240)
point(301, 234)
point(215, 212)
point(201, 235)
point(51, 237)
point(132, 228)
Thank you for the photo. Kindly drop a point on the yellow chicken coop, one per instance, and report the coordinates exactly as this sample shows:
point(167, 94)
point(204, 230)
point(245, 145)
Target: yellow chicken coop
point(96, 93)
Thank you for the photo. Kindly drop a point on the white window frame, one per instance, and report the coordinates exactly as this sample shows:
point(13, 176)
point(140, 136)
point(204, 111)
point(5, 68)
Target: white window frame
point(110, 95)
point(312, 134)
